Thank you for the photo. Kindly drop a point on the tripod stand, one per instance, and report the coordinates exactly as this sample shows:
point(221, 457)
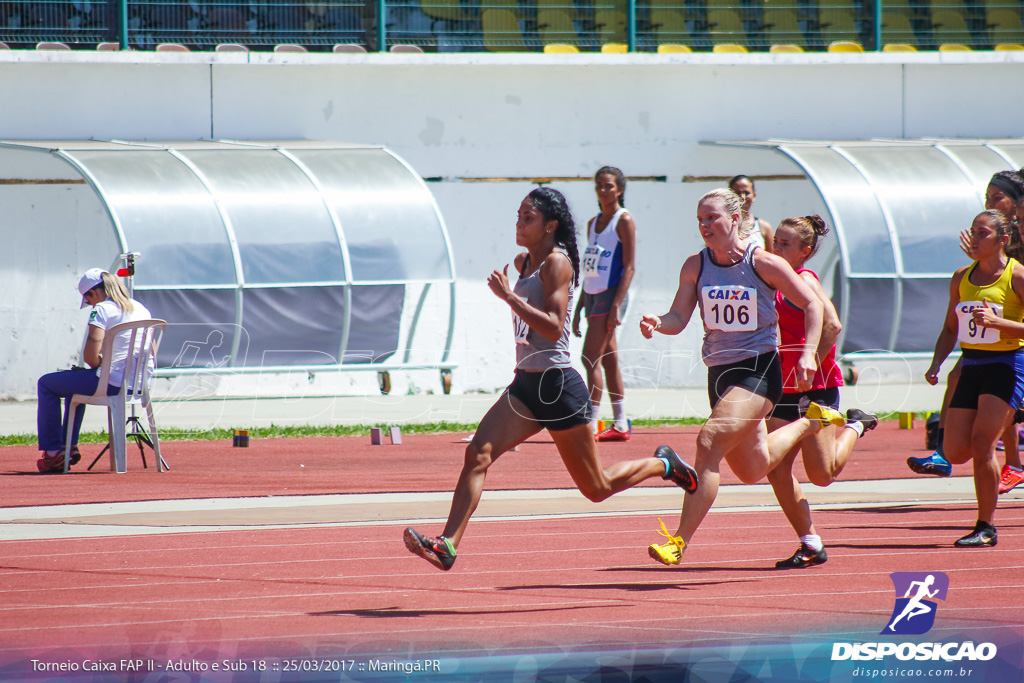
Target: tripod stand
point(141, 436)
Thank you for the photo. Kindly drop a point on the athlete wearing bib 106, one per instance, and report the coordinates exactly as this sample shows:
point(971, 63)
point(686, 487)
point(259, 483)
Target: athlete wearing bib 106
point(984, 315)
point(734, 284)
point(740, 327)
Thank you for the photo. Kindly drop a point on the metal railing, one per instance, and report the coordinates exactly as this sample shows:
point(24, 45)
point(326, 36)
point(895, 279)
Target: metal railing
point(516, 25)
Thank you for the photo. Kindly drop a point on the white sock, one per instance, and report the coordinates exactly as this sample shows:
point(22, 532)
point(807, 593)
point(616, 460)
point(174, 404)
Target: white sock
point(619, 413)
point(857, 427)
point(593, 421)
point(812, 541)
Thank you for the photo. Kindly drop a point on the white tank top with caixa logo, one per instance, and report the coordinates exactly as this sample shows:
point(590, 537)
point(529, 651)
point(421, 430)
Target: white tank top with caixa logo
point(738, 310)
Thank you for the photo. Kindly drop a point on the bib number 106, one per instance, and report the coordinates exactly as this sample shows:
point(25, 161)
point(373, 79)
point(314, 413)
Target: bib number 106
point(730, 309)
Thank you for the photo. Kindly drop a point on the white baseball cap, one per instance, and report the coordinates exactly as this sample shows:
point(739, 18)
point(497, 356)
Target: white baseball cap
point(92, 277)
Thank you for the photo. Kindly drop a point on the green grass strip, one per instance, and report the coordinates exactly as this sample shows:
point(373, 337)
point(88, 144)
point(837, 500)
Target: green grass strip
point(298, 431)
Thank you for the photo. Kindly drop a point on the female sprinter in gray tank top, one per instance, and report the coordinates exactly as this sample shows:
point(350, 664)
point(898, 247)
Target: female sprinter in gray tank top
point(547, 393)
point(734, 283)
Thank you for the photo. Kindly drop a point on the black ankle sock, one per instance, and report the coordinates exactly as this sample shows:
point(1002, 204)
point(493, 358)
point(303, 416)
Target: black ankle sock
point(938, 449)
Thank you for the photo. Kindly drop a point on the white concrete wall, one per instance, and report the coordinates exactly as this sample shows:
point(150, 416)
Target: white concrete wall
point(523, 116)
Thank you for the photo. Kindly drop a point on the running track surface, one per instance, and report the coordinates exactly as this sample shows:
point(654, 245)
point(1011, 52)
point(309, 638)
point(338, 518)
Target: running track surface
point(520, 586)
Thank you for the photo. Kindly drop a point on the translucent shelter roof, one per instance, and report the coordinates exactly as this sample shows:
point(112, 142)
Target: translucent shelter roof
point(894, 204)
point(267, 255)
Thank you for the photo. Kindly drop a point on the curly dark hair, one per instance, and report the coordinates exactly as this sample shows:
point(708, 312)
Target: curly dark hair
point(552, 205)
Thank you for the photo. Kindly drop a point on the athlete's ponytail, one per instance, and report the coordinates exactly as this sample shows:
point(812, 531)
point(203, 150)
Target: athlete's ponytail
point(808, 229)
point(552, 205)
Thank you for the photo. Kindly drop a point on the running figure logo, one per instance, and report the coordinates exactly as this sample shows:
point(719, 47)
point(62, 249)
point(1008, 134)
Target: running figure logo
point(914, 612)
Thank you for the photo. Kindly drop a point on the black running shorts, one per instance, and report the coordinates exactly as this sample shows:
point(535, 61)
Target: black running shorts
point(761, 375)
point(788, 406)
point(557, 398)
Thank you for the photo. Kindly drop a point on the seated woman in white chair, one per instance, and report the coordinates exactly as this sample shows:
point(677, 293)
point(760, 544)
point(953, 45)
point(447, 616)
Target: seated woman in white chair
point(111, 306)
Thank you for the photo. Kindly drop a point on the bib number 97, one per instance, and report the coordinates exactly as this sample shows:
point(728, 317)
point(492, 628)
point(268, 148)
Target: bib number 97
point(971, 332)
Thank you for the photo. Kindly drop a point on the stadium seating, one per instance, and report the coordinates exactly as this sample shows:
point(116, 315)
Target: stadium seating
point(349, 47)
point(560, 48)
point(672, 48)
point(614, 48)
point(726, 48)
point(845, 46)
point(289, 47)
point(555, 27)
point(501, 31)
point(784, 48)
point(898, 47)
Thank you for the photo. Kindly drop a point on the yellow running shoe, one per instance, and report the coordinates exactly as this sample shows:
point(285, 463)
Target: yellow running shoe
point(667, 553)
point(826, 416)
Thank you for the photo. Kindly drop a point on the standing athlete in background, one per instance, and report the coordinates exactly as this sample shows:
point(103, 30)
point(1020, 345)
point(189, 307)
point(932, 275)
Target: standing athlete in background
point(607, 272)
point(751, 228)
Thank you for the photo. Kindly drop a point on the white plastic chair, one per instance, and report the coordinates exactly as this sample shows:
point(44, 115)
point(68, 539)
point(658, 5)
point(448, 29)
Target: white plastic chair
point(143, 342)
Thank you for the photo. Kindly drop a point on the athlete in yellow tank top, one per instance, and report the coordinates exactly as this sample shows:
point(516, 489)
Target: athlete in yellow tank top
point(986, 319)
point(1004, 302)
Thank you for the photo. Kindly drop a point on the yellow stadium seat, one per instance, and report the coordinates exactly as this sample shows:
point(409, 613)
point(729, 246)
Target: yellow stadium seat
point(785, 48)
point(560, 49)
point(1008, 46)
point(782, 27)
point(948, 26)
point(614, 48)
point(898, 47)
point(896, 28)
point(501, 31)
point(555, 27)
point(954, 47)
point(610, 26)
point(726, 26)
point(444, 9)
point(838, 25)
point(679, 6)
point(672, 48)
point(845, 46)
point(1004, 26)
point(669, 26)
point(723, 48)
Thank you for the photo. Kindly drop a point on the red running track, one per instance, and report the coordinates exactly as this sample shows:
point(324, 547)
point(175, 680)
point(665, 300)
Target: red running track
point(520, 587)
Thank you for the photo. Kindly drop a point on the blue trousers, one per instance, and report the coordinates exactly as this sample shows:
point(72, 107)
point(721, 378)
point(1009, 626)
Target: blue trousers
point(50, 390)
